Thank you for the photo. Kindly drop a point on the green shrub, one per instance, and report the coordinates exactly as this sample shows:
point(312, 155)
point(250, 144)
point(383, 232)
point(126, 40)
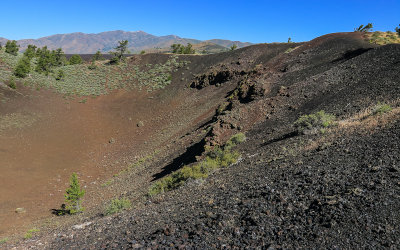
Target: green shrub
point(12, 83)
point(117, 205)
point(381, 108)
point(4, 240)
point(75, 59)
point(216, 158)
point(60, 75)
point(30, 233)
point(92, 66)
point(314, 123)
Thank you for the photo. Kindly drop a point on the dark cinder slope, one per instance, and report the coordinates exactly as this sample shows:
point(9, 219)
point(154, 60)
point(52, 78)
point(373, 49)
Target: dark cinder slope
point(334, 190)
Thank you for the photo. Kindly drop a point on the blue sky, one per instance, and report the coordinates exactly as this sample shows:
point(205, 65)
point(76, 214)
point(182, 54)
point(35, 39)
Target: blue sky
point(254, 21)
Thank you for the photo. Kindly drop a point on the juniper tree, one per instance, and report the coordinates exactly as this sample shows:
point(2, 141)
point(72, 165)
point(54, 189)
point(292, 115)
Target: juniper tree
point(398, 30)
point(74, 195)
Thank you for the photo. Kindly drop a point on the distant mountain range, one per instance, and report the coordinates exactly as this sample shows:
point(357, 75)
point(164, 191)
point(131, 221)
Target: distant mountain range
point(82, 43)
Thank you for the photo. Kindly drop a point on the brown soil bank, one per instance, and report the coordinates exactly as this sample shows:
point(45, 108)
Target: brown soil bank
point(335, 189)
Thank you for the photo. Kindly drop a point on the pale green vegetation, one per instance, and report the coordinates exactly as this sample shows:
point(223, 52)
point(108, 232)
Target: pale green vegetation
point(117, 205)
point(4, 240)
point(316, 122)
point(381, 108)
point(218, 157)
point(30, 233)
point(81, 81)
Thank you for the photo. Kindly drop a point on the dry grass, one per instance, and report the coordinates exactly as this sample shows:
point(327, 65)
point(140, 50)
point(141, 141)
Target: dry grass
point(16, 120)
point(382, 38)
point(364, 122)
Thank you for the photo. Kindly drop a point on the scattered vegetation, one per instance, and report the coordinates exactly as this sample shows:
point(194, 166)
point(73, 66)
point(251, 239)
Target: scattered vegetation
point(233, 47)
point(117, 205)
point(4, 240)
point(79, 80)
point(74, 195)
point(383, 38)
point(181, 49)
point(381, 108)
point(216, 158)
point(30, 233)
point(364, 28)
point(397, 29)
point(313, 123)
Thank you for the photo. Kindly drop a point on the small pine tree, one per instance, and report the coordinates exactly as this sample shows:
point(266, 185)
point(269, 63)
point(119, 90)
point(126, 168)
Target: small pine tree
point(233, 47)
point(289, 40)
point(98, 56)
point(366, 28)
point(142, 52)
point(30, 52)
point(73, 195)
point(12, 47)
point(75, 59)
point(23, 67)
point(397, 29)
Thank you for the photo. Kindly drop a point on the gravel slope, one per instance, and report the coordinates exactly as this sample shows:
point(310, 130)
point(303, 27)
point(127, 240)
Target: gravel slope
point(337, 190)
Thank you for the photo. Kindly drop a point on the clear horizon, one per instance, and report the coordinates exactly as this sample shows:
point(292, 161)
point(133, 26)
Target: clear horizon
point(255, 21)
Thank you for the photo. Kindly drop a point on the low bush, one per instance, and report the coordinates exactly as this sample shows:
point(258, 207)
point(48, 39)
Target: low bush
point(381, 108)
point(314, 123)
point(117, 205)
point(30, 233)
point(12, 83)
point(216, 158)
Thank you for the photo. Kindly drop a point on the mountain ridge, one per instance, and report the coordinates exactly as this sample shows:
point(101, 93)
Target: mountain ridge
point(88, 43)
